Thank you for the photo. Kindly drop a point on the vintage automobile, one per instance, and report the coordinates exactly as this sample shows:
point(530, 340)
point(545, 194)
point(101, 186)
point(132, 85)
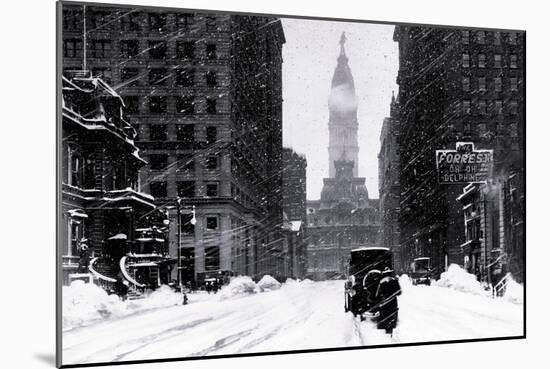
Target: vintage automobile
point(421, 272)
point(364, 271)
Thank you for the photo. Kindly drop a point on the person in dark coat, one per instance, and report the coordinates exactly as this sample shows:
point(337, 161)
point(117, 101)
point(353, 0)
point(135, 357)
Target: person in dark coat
point(388, 290)
point(208, 287)
point(84, 257)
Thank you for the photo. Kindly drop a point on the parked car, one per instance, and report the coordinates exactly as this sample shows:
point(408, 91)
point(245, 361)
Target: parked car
point(421, 272)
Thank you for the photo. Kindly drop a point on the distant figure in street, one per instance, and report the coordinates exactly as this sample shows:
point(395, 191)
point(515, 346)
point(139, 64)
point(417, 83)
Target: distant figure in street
point(215, 286)
point(185, 299)
point(121, 288)
point(208, 287)
point(388, 290)
point(84, 257)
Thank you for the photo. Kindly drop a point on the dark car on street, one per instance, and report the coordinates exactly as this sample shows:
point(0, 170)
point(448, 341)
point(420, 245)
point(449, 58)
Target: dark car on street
point(364, 272)
point(421, 272)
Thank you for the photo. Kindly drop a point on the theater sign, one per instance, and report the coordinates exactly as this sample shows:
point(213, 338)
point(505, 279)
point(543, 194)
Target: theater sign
point(463, 165)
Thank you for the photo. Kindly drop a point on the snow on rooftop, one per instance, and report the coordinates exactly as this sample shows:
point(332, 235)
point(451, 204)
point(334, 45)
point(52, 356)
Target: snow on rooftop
point(118, 236)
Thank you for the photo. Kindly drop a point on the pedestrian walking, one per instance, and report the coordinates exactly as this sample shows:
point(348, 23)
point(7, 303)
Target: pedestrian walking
point(388, 290)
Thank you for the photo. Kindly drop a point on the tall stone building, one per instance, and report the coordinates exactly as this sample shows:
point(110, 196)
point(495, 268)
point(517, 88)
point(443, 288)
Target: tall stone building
point(388, 185)
point(344, 218)
point(456, 85)
point(204, 93)
point(295, 214)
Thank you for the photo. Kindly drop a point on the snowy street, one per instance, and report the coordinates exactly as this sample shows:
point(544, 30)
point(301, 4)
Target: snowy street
point(298, 316)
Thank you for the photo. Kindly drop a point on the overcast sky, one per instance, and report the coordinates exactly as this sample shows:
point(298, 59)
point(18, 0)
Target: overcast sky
point(309, 57)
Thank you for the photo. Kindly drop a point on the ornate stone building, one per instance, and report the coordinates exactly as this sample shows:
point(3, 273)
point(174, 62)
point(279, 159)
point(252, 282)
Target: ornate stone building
point(344, 218)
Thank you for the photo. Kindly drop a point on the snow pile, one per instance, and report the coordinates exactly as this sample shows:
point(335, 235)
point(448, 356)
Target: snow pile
point(405, 281)
point(86, 302)
point(458, 279)
point(162, 297)
point(242, 285)
point(514, 292)
point(268, 283)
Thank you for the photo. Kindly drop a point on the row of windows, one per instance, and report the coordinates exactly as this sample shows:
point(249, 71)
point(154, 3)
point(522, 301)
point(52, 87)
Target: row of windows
point(496, 84)
point(184, 133)
point(136, 21)
point(72, 48)
point(481, 129)
point(498, 61)
point(485, 37)
point(186, 105)
point(185, 77)
point(497, 107)
point(159, 189)
point(187, 162)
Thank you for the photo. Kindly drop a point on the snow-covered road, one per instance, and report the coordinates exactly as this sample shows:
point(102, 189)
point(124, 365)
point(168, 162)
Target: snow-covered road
point(307, 315)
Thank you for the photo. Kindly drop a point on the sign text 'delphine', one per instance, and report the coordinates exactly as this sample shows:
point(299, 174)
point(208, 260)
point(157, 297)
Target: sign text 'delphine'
point(463, 165)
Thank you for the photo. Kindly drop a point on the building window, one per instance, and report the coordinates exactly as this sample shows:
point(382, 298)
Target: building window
point(211, 189)
point(185, 50)
point(481, 129)
point(130, 76)
point(211, 51)
point(132, 104)
point(211, 135)
point(211, 78)
point(103, 73)
point(186, 162)
point(185, 104)
point(129, 48)
point(513, 84)
point(496, 38)
point(212, 162)
point(185, 20)
point(158, 189)
point(513, 61)
point(211, 23)
point(72, 48)
point(211, 258)
point(466, 83)
point(157, 104)
point(481, 60)
point(466, 107)
point(465, 60)
point(513, 107)
point(482, 106)
point(186, 133)
point(157, 50)
point(481, 84)
point(158, 132)
point(75, 235)
point(480, 36)
point(498, 84)
point(99, 19)
point(72, 19)
point(513, 130)
point(498, 61)
point(212, 223)
point(512, 38)
point(467, 129)
point(498, 107)
point(211, 105)
point(465, 37)
point(130, 22)
point(157, 76)
point(185, 77)
point(186, 189)
point(158, 161)
point(101, 48)
point(157, 22)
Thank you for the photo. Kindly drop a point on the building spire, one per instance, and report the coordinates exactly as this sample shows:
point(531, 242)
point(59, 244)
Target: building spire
point(342, 42)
